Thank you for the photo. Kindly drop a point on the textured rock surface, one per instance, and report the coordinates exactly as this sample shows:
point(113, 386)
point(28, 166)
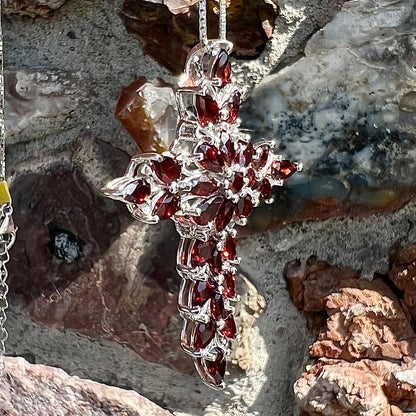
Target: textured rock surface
point(35, 389)
point(32, 8)
point(85, 48)
point(365, 349)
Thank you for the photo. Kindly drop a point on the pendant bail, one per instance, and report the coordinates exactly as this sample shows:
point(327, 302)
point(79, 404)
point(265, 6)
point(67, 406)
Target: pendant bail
point(222, 23)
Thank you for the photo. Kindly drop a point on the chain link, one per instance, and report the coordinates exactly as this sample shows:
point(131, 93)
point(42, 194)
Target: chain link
point(6, 241)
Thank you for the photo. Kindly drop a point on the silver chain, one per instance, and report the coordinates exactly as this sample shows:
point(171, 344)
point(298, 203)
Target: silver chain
point(2, 128)
point(222, 26)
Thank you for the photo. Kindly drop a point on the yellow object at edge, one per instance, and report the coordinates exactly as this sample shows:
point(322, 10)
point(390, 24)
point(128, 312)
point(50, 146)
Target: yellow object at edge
point(4, 193)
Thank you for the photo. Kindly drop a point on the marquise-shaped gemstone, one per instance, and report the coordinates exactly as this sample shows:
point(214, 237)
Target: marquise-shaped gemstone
point(283, 169)
point(213, 372)
point(245, 156)
point(167, 206)
point(229, 251)
point(228, 152)
point(141, 192)
point(224, 215)
point(204, 333)
point(233, 107)
point(167, 170)
point(262, 156)
point(244, 208)
point(204, 187)
point(229, 285)
point(220, 67)
point(237, 182)
point(207, 109)
point(212, 159)
point(218, 310)
point(209, 210)
point(230, 329)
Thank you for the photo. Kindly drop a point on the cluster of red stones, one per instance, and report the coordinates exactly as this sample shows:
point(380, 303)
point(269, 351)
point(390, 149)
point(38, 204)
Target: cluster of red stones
point(224, 177)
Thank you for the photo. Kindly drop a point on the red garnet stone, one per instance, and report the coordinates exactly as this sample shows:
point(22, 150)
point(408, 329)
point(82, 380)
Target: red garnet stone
point(212, 371)
point(230, 250)
point(201, 293)
point(167, 206)
point(229, 285)
point(229, 330)
point(284, 169)
point(203, 335)
point(207, 109)
point(220, 67)
point(167, 171)
point(140, 194)
point(212, 158)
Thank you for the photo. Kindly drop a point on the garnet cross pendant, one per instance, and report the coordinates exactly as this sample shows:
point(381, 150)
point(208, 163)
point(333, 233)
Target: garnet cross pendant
point(207, 183)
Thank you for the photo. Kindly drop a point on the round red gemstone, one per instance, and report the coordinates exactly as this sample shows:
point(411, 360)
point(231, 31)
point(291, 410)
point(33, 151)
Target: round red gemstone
point(244, 207)
point(230, 329)
point(262, 156)
point(220, 67)
point(218, 310)
point(167, 206)
point(203, 335)
point(201, 293)
point(229, 285)
point(167, 170)
point(140, 193)
point(213, 372)
point(202, 251)
point(244, 157)
point(210, 209)
point(283, 169)
point(238, 182)
point(207, 109)
point(233, 107)
point(224, 215)
point(229, 251)
point(205, 187)
point(212, 157)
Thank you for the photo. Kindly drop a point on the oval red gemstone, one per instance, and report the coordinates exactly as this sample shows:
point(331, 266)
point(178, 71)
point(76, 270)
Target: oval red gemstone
point(244, 157)
point(237, 183)
point(224, 215)
point(213, 372)
point(202, 291)
point(262, 155)
point(167, 206)
point(229, 285)
point(140, 193)
point(220, 67)
point(283, 169)
point(230, 329)
point(244, 207)
point(209, 210)
point(212, 158)
point(233, 107)
point(167, 171)
point(229, 251)
point(207, 109)
point(205, 187)
point(218, 310)
point(201, 252)
point(203, 335)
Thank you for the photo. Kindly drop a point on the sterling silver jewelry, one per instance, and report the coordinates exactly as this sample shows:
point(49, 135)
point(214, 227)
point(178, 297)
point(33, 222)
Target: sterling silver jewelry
point(207, 183)
point(7, 229)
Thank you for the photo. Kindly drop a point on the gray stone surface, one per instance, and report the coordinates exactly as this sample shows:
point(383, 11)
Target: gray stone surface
point(86, 43)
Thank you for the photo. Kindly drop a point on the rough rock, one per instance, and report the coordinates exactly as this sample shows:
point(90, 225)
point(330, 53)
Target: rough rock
point(345, 110)
point(35, 389)
point(169, 30)
point(32, 8)
point(365, 347)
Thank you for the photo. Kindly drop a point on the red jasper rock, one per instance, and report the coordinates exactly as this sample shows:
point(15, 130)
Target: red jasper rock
point(224, 215)
point(207, 109)
point(210, 210)
point(230, 329)
point(167, 171)
point(237, 183)
point(167, 206)
point(204, 333)
point(202, 251)
point(212, 158)
point(244, 207)
point(205, 187)
point(220, 67)
point(212, 371)
point(283, 169)
point(230, 248)
point(140, 194)
point(229, 285)
point(202, 291)
point(262, 156)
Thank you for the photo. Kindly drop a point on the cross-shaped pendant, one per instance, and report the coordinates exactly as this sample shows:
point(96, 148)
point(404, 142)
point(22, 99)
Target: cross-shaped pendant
point(207, 183)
